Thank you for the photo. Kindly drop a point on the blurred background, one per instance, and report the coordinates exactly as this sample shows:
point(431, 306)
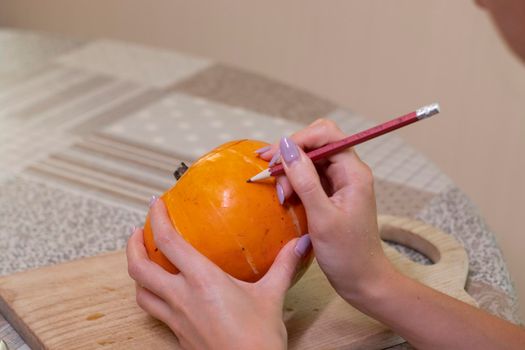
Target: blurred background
point(377, 58)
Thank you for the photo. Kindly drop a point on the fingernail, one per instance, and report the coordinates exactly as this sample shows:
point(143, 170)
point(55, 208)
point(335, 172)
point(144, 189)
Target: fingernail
point(132, 229)
point(153, 200)
point(289, 150)
point(303, 245)
point(280, 193)
point(263, 149)
point(274, 159)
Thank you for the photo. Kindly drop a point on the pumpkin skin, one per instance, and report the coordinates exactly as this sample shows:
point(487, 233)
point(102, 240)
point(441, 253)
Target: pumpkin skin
point(239, 226)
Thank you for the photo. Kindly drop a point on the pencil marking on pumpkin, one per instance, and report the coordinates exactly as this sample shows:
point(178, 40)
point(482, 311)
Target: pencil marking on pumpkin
point(250, 160)
point(295, 220)
point(247, 256)
point(249, 260)
point(245, 252)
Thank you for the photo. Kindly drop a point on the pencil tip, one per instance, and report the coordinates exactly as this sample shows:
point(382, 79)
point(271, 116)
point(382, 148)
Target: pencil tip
point(249, 181)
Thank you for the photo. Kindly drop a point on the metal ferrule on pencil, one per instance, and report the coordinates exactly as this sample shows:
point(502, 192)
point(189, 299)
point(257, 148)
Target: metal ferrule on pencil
point(427, 111)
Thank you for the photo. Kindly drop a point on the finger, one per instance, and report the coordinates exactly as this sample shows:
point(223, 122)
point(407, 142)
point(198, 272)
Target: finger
point(276, 158)
point(304, 179)
point(145, 272)
point(315, 135)
point(179, 252)
point(318, 134)
point(349, 172)
point(287, 189)
point(153, 305)
point(281, 274)
point(269, 153)
point(345, 167)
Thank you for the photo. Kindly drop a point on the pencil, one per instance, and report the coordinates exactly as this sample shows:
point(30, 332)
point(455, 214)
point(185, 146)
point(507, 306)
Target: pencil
point(356, 139)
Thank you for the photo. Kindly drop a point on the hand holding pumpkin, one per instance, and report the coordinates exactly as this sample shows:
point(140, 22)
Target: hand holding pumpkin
point(338, 196)
point(205, 307)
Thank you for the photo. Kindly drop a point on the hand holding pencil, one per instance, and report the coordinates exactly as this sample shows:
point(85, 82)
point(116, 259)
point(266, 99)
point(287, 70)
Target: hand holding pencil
point(350, 141)
point(339, 199)
point(338, 196)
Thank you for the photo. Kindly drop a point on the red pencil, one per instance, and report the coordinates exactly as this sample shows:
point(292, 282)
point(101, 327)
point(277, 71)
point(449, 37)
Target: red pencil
point(360, 137)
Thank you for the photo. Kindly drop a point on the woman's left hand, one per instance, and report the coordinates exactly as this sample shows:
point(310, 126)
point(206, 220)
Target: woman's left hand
point(205, 307)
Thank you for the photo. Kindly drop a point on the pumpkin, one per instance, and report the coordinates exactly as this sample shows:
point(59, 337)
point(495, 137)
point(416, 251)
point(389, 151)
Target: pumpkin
point(239, 226)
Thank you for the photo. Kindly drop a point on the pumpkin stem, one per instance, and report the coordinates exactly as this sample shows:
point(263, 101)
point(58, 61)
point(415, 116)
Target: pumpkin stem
point(180, 171)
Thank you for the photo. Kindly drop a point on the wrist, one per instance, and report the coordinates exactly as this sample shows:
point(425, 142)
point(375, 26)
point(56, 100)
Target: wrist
point(373, 287)
point(273, 338)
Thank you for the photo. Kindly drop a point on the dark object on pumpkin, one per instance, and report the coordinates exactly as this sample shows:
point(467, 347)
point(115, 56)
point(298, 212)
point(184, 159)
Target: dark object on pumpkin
point(180, 171)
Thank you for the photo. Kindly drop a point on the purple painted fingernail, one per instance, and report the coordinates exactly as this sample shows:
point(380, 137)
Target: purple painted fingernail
point(289, 150)
point(280, 193)
point(153, 200)
point(303, 245)
point(263, 149)
point(274, 159)
point(132, 229)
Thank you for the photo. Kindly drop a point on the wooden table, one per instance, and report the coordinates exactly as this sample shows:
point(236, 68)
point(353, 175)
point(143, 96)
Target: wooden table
point(89, 130)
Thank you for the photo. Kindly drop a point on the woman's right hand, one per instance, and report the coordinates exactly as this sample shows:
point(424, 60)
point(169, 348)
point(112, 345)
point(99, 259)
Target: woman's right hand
point(340, 206)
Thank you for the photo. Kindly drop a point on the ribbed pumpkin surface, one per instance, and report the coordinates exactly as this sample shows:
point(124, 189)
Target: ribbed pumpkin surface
point(239, 226)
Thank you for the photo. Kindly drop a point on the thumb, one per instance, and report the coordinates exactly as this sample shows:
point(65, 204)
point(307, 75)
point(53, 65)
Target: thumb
point(303, 177)
point(282, 273)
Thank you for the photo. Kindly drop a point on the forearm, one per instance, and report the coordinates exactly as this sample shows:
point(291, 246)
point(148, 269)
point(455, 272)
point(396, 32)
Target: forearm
point(429, 319)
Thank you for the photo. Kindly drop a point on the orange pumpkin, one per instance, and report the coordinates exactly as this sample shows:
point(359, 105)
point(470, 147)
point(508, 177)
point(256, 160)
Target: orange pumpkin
point(239, 226)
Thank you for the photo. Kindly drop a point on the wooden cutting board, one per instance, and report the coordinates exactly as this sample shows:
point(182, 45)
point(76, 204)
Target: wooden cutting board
point(90, 303)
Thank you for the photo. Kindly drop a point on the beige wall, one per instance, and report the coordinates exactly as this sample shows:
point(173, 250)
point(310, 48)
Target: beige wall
point(380, 58)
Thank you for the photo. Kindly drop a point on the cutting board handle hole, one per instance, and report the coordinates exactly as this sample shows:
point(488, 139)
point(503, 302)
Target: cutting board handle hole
point(413, 246)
